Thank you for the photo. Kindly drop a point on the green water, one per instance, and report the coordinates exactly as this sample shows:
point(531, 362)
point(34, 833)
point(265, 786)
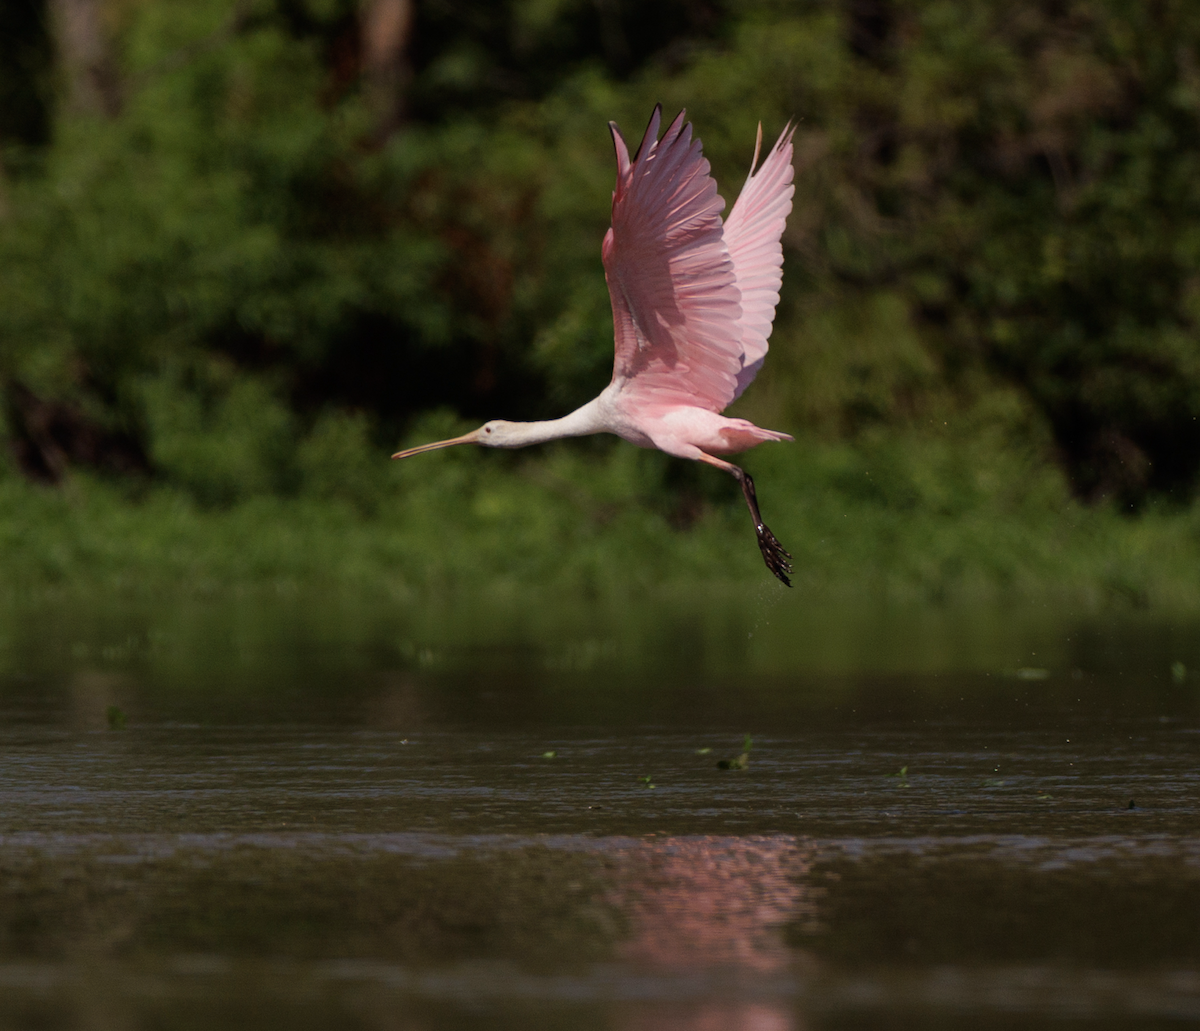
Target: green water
point(299, 812)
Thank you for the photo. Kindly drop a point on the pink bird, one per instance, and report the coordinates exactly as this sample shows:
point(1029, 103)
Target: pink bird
point(693, 301)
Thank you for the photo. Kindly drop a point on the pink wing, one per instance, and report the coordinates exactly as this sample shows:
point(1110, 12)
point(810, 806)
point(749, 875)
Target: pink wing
point(752, 235)
point(674, 296)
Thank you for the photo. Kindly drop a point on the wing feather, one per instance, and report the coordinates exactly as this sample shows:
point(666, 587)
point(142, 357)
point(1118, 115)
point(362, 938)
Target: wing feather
point(752, 234)
point(676, 304)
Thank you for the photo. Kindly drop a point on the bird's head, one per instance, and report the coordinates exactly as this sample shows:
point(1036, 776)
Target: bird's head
point(497, 433)
point(500, 433)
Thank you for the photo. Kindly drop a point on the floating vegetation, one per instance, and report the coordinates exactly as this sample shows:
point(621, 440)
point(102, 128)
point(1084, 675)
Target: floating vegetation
point(741, 762)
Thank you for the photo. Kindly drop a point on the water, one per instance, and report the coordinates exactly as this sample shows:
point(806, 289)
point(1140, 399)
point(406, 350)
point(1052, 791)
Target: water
point(286, 812)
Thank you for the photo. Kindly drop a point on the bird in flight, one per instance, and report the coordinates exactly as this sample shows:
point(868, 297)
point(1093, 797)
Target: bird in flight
point(693, 300)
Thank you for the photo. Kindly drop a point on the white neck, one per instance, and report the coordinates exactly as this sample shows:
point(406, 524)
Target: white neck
point(580, 423)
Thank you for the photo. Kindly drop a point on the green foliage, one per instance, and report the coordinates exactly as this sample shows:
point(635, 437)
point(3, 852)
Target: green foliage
point(242, 290)
point(222, 439)
point(337, 462)
point(862, 522)
point(216, 215)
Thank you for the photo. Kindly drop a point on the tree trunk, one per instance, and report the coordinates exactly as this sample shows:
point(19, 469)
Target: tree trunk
point(86, 68)
point(386, 29)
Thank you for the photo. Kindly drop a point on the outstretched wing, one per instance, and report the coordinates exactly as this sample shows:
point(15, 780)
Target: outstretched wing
point(675, 300)
point(752, 234)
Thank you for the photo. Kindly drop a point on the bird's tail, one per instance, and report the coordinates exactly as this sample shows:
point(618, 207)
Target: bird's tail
point(740, 435)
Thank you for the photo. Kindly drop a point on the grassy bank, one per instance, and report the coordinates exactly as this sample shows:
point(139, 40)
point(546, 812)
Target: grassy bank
point(930, 520)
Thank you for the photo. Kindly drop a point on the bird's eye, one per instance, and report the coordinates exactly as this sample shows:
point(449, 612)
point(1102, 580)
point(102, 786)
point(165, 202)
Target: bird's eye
point(487, 429)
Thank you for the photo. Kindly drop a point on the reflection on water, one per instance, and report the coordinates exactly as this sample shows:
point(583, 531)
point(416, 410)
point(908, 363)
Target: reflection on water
point(295, 815)
point(617, 933)
point(711, 902)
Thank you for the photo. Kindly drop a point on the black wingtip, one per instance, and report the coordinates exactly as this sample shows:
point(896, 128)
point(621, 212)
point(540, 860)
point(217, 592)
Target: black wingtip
point(656, 113)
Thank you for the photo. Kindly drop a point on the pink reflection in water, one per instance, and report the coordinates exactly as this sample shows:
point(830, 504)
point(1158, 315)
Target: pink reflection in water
point(712, 901)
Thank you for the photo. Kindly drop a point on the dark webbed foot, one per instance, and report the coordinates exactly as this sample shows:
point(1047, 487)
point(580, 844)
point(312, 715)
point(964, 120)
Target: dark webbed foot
point(777, 560)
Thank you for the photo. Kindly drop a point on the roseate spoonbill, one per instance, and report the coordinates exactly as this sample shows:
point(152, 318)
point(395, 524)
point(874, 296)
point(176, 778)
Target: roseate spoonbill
point(693, 300)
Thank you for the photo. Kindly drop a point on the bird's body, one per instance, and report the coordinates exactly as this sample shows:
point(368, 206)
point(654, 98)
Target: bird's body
point(693, 300)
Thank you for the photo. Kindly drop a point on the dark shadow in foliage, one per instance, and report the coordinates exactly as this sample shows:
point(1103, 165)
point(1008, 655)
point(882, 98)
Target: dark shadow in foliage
point(25, 73)
point(47, 437)
point(869, 29)
point(473, 57)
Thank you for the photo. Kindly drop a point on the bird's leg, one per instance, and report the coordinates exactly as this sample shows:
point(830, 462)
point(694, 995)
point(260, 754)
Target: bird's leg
point(773, 553)
point(777, 559)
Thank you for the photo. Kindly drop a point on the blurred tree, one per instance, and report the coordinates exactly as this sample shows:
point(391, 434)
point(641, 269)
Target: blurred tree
point(85, 61)
point(386, 29)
